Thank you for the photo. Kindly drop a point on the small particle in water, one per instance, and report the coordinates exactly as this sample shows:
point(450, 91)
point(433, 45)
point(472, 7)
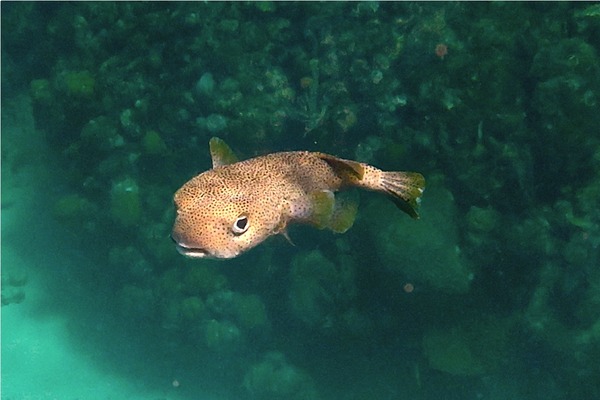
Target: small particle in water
point(408, 287)
point(441, 50)
point(175, 383)
point(306, 82)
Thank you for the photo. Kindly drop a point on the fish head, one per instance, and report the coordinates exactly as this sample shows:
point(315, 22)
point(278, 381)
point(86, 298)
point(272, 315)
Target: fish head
point(221, 219)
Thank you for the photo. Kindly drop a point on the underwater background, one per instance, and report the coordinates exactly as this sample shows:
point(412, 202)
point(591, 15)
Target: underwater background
point(107, 109)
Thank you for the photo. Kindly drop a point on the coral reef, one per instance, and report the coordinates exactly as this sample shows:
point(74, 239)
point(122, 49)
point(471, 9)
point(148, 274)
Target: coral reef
point(275, 378)
point(495, 103)
point(125, 202)
point(320, 287)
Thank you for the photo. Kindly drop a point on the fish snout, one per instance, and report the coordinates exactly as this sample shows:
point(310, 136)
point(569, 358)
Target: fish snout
point(185, 249)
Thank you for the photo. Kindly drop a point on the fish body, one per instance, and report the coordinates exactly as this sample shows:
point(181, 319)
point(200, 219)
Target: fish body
point(236, 205)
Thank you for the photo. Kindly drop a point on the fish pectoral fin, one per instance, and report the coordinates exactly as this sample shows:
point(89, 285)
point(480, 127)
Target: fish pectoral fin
point(344, 214)
point(322, 204)
point(331, 212)
point(348, 170)
point(221, 153)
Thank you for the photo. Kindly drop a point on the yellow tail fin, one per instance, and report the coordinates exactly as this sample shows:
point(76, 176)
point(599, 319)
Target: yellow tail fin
point(406, 189)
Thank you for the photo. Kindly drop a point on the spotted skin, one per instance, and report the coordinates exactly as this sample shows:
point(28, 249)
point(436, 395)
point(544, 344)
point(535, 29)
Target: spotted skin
point(231, 208)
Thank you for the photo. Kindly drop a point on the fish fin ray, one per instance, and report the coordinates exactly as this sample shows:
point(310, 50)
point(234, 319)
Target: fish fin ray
point(220, 153)
point(405, 189)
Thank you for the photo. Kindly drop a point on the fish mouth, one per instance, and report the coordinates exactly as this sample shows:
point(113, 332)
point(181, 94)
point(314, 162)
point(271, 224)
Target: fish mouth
point(192, 252)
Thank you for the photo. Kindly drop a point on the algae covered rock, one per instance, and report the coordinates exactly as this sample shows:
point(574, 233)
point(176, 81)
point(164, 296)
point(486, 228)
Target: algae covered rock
point(153, 143)
point(427, 250)
point(320, 287)
point(449, 351)
point(79, 84)
point(100, 134)
point(475, 349)
point(192, 308)
point(275, 378)
point(125, 202)
point(13, 283)
point(40, 90)
point(222, 336)
point(566, 101)
point(202, 280)
point(12, 295)
point(74, 208)
point(250, 312)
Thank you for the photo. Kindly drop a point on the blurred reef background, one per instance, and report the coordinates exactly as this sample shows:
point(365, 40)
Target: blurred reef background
point(494, 293)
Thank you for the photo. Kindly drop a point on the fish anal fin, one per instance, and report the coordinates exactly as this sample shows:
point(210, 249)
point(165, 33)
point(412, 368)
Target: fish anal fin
point(348, 170)
point(221, 153)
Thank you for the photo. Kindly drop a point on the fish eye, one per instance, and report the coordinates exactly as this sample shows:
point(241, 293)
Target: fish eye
point(240, 225)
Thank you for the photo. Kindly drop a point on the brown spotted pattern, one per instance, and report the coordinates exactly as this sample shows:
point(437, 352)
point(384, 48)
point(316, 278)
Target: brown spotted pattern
point(270, 191)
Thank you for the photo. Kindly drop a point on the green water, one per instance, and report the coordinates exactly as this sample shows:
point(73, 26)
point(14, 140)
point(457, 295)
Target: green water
point(494, 293)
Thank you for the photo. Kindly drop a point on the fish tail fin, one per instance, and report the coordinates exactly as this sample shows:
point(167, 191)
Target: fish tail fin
point(405, 189)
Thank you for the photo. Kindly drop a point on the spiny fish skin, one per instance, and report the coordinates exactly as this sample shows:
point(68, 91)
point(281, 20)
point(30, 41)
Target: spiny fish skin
point(231, 208)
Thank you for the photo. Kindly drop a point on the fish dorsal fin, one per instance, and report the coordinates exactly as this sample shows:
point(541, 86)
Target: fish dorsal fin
point(345, 169)
point(221, 153)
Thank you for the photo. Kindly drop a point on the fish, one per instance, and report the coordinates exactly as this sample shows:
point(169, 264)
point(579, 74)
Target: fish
point(235, 206)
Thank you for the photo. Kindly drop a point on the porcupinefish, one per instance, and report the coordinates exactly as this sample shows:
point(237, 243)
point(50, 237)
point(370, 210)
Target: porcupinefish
point(236, 205)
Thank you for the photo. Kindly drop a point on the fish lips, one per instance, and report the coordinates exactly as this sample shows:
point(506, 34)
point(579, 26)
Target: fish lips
point(188, 251)
point(198, 252)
